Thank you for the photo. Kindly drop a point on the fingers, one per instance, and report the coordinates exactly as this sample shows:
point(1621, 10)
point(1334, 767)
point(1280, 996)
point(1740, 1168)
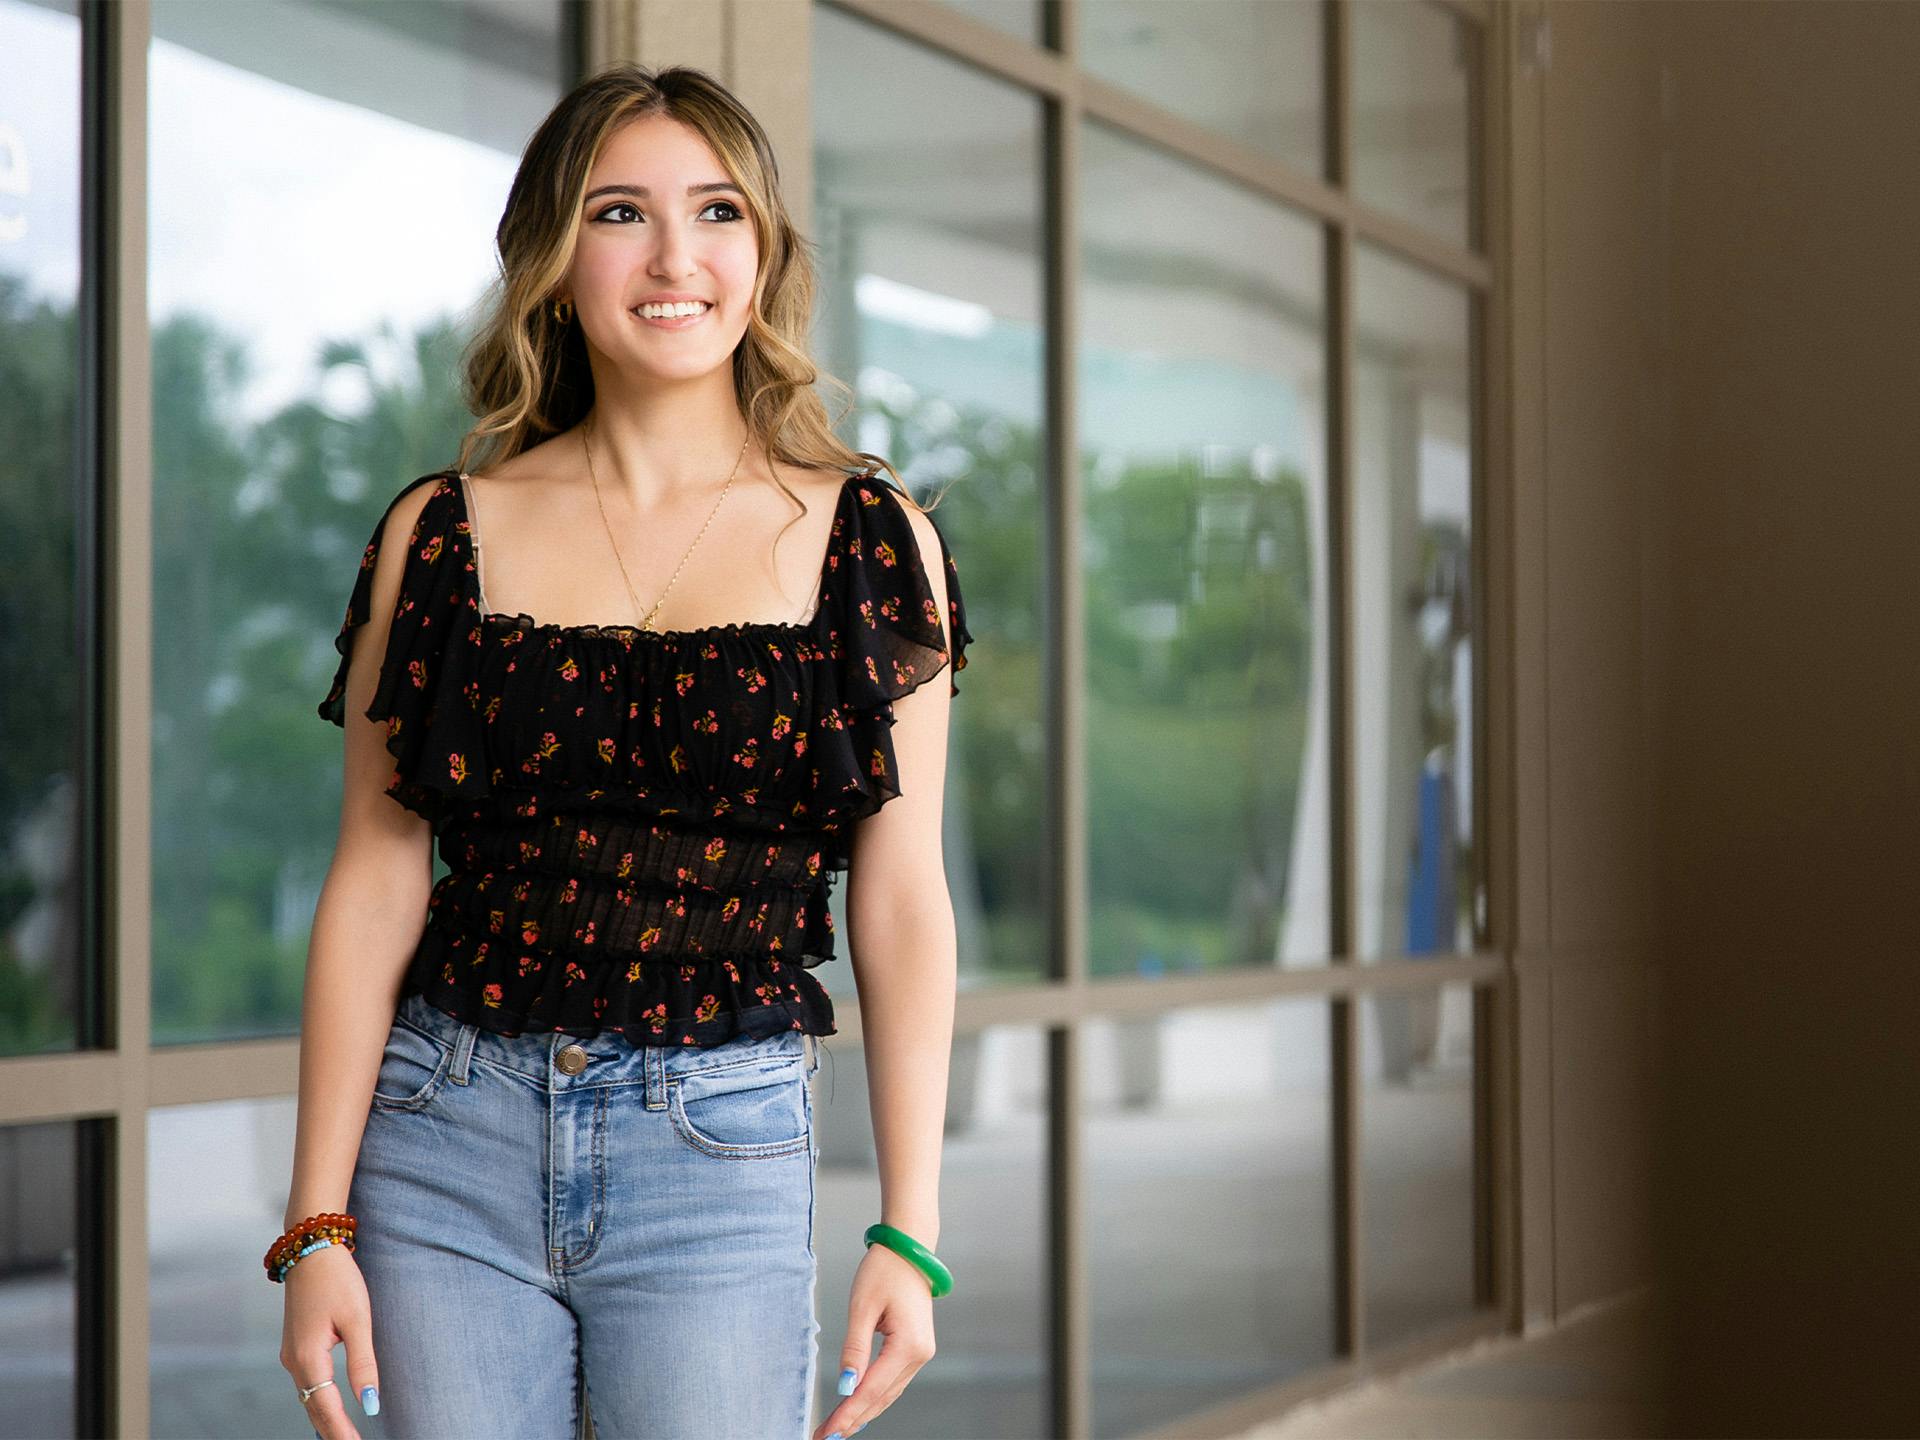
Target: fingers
point(901, 1357)
point(324, 1407)
point(363, 1373)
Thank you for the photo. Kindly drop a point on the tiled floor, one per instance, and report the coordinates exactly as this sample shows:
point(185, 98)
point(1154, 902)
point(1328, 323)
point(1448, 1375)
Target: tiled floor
point(1588, 1378)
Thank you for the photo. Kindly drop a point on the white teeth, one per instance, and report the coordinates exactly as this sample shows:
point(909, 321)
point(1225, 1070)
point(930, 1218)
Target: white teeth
point(662, 312)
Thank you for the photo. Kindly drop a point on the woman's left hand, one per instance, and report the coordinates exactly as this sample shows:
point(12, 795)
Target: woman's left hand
point(891, 1298)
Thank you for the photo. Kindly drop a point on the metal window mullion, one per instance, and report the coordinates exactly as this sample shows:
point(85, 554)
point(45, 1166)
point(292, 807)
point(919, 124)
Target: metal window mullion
point(1064, 631)
point(1345, 1081)
point(126, 482)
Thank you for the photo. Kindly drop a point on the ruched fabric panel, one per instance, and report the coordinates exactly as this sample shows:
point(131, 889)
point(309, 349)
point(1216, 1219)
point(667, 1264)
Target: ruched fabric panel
point(643, 827)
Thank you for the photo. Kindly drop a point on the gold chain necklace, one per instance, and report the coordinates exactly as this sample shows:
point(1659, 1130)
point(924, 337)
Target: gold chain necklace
point(647, 622)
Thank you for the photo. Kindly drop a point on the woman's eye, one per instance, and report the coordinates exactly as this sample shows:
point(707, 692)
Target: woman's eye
point(735, 215)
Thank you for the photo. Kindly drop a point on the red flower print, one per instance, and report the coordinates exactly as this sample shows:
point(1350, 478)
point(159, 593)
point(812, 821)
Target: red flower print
point(492, 995)
point(417, 672)
point(529, 932)
point(605, 750)
point(782, 724)
point(716, 851)
point(706, 1010)
point(649, 937)
point(569, 669)
point(682, 683)
point(730, 909)
point(457, 768)
point(883, 552)
point(574, 972)
point(879, 766)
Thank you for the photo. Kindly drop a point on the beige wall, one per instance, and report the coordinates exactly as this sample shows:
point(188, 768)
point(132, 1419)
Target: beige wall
point(1588, 418)
point(1790, 916)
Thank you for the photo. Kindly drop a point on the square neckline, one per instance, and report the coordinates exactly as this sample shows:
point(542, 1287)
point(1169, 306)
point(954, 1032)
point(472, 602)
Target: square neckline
point(457, 484)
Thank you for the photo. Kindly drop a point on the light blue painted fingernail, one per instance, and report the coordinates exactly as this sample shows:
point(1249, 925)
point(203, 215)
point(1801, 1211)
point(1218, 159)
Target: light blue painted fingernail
point(370, 1400)
point(861, 1426)
point(836, 1435)
point(847, 1377)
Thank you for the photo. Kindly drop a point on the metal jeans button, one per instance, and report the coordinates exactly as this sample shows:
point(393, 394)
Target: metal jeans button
point(572, 1060)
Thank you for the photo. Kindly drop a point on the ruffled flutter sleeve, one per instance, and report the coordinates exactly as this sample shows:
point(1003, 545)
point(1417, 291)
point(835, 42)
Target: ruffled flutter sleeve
point(891, 643)
point(425, 693)
point(886, 643)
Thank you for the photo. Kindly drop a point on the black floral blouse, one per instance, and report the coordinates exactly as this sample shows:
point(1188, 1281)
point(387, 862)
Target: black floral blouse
point(642, 827)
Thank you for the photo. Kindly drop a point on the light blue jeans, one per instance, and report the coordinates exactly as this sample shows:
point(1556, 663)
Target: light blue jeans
point(628, 1232)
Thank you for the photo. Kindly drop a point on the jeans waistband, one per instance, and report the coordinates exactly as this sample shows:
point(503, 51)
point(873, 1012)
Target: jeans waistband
point(567, 1062)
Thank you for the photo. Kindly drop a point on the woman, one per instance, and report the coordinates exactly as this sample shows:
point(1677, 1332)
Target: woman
point(555, 1133)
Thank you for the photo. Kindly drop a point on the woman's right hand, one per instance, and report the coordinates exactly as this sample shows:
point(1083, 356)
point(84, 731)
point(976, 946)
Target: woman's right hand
point(327, 1305)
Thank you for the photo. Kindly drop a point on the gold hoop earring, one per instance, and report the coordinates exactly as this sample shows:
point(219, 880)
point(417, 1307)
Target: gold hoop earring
point(563, 305)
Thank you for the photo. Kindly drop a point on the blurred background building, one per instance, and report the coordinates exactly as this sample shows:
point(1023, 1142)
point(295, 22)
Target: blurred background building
point(1428, 798)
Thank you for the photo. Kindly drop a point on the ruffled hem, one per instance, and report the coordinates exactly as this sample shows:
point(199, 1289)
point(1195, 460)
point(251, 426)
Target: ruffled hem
point(691, 1000)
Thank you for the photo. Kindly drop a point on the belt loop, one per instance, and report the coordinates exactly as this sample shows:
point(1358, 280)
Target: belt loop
point(463, 1051)
point(813, 1051)
point(656, 1073)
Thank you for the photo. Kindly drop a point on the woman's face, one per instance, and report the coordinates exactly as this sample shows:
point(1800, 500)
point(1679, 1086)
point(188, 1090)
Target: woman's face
point(661, 218)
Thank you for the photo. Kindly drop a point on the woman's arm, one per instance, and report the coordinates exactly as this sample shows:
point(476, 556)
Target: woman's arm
point(901, 933)
point(372, 910)
point(900, 929)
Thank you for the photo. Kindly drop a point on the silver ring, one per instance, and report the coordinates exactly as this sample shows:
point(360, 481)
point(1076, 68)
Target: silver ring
point(306, 1391)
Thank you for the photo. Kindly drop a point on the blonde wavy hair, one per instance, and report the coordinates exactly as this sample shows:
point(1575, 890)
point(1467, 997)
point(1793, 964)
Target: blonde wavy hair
point(526, 375)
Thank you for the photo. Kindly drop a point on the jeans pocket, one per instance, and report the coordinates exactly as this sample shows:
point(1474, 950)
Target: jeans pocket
point(413, 1067)
point(743, 1112)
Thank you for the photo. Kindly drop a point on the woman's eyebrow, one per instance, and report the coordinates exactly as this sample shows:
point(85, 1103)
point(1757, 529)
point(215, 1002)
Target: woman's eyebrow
point(707, 188)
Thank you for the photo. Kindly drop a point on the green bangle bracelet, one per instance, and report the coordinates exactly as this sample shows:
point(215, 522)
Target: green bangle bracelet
point(907, 1247)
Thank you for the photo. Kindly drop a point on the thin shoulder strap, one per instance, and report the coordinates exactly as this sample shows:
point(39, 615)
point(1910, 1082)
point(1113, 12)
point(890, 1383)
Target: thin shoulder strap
point(473, 534)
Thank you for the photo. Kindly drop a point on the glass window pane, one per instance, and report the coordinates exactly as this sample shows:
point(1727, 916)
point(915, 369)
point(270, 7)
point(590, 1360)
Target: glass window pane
point(1209, 1219)
point(1416, 81)
point(1414, 644)
point(1249, 70)
point(991, 1376)
point(43, 970)
point(1417, 1150)
point(928, 219)
point(325, 183)
point(215, 1318)
point(40, 1244)
point(1202, 397)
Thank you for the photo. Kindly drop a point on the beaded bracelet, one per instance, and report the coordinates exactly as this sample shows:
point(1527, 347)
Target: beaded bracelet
point(905, 1246)
point(316, 1232)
